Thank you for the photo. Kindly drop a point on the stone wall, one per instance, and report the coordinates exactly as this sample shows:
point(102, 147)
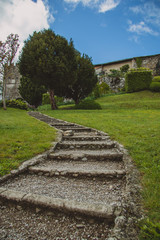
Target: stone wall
point(12, 82)
point(151, 62)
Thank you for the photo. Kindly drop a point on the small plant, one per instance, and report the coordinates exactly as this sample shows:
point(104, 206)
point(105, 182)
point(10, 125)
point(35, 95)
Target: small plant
point(149, 230)
point(155, 87)
point(139, 62)
point(156, 79)
point(88, 104)
point(46, 99)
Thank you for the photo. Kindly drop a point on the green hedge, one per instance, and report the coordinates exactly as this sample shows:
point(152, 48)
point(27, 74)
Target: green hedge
point(138, 79)
point(156, 79)
point(88, 104)
point(155, 87)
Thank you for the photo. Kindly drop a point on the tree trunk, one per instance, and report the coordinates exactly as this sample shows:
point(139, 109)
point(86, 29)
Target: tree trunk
point(52, 99)
point(4, 94)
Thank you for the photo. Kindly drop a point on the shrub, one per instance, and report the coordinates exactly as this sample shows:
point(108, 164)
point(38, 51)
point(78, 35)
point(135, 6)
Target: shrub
point(88, 104)
point(16, 103)
point(46, 99)
point(155, 87)
point(103, 88)
point(156, 79)
point(96, 91)
point(138, 79)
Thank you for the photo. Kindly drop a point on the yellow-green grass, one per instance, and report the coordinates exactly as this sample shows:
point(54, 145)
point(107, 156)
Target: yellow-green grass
point(21, 137)
point(134, 121)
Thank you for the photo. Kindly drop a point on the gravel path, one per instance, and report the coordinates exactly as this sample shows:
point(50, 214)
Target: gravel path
point(69, 188)
point(26, 224)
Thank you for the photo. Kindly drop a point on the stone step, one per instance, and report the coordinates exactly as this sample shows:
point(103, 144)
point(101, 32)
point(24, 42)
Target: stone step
point(65, 125)
point(18, 222)
point(85, 138)
point(75, 129)
point(74, 172)
point(99, 155)
point(66, 194)
point(108, 212)
point(86, 145)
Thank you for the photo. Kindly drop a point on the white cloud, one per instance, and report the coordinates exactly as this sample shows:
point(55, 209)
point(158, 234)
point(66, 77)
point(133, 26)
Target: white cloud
point(141, 28)
point(102, 5)
point(149, 11)
point(23, 17)
point(108, 5)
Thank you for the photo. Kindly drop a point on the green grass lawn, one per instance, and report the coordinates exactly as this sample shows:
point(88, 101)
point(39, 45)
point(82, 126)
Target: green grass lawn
point(134, 121)
point(21, 137)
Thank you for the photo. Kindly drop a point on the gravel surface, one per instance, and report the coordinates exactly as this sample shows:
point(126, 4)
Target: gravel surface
point(82, 165)
point(26, 224)
point(69, 188)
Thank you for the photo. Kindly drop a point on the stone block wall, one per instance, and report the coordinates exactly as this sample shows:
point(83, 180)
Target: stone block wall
point(12, 82)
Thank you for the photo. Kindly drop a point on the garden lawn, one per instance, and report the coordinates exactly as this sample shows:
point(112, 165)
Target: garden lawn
point(21, 137)
point(134, 121)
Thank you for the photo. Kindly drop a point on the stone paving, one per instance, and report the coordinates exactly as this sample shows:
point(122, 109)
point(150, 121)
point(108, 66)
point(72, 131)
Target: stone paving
point(85, 176)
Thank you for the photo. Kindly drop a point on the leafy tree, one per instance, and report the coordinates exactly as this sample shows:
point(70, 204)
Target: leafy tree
point(8, 50)
point(85, 79)
point(49, 60)
point(31, 92)
point(124, 68)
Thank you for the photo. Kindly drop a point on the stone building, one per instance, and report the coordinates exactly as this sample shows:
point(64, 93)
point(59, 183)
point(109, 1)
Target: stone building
point(12, 82)
point(152, 62)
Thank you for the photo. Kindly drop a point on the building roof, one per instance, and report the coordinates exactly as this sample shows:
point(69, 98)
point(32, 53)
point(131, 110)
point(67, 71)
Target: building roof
point(123, 60)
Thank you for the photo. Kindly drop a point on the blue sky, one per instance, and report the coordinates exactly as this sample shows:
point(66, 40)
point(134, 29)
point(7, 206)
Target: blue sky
point(106, 30)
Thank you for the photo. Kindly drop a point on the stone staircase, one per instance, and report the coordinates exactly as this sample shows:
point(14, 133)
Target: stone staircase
point(85, 177)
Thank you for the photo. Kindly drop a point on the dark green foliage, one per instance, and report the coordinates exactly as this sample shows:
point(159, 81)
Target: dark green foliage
point(96, 91)
point(46, 99)
point(138, 79)
point(139, 62)
point(88, 104)
point(124, 68)
point(49, 60)
point(149, 230)
point(84, 81)
point(156, 79)
point(115, 73)
point(100, 89)
point(103, 88)
point(16, 103)
point(31, 92)
point(155, 87)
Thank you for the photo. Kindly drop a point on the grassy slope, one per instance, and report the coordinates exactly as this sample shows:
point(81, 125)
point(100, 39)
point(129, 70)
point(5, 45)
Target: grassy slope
point(133, 120)
point(21, 137)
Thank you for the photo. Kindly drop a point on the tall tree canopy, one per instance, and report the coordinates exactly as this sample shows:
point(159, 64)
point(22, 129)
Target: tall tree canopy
point(49, 60)
point(85, 79)
point(8, 50)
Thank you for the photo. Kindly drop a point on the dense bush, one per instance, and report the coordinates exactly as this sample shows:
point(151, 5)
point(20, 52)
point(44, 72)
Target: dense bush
point(88, 104)
point(155, 87)
point(16, 104)
point(46, 99)
point(100, 89)
point(156, 79)
point(138, 79)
